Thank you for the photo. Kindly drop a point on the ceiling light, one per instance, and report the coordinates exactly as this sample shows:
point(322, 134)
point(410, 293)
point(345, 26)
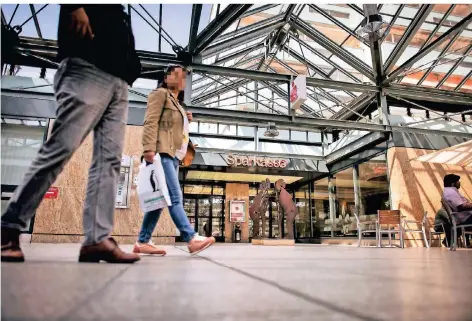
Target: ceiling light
point(271, 131)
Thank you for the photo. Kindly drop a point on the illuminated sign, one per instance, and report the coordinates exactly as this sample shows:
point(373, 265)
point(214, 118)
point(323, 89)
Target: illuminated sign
point(255, 161)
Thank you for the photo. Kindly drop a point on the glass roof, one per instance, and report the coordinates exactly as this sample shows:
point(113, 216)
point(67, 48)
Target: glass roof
point(322, 41)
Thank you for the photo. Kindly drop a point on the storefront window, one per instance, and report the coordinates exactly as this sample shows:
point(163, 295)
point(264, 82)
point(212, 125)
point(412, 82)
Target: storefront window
point(302, 221)
point(20, 145)
point(374, 188)
point(21, 140)
point(344, 220)
point(320, 204)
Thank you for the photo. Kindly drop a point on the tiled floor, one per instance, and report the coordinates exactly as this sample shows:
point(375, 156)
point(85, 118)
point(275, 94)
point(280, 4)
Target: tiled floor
point(242, 282)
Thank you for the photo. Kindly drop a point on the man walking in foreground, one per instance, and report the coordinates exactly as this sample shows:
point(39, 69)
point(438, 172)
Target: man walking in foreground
point(96, 45)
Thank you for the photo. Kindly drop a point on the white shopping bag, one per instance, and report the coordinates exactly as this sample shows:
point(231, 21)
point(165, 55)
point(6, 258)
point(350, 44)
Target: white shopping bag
point(152, 187)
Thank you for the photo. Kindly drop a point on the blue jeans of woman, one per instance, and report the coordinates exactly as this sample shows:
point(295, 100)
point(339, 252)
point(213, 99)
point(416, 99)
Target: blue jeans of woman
point(176, 210)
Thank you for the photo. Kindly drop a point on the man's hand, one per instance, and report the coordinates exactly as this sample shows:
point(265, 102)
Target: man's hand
point(189, 116)
point(149, 156)
point(80, 24)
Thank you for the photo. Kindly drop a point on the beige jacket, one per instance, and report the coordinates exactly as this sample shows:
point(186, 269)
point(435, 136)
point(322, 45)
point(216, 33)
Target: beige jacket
point(163, 123)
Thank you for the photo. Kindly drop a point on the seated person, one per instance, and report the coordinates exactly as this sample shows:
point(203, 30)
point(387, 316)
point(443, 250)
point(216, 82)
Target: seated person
point(442, 224)
point(456, 201)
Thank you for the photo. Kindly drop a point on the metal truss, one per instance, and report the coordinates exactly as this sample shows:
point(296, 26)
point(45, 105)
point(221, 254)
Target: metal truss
point(327, 60)
point(212, 42)
point(459, 27)
point(338, 23)
point(410, 32)
point(340, 52)
point(194, 23)
point(218, 25)
point(433, 65)
point(451, 71)
point(356, 105)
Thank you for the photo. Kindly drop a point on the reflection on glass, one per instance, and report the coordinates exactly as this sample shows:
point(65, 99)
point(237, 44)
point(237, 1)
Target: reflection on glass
point(320, 203)
point(344, 220)
point(374, 191)
point(302, 221)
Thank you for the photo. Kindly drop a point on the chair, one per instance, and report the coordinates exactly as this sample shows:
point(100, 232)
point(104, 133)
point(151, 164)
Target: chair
point(455, 226)
point(423, 223)
point(360, 231)
point(389, 217)
point(438, 234)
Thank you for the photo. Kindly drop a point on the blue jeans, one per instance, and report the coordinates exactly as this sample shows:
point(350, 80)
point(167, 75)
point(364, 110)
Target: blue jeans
point(176, 210)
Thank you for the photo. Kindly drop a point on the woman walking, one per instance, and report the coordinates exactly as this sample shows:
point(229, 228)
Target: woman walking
point(166, 131)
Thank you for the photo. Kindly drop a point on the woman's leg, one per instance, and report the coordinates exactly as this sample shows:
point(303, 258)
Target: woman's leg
point(170, 166)
point(149, 224)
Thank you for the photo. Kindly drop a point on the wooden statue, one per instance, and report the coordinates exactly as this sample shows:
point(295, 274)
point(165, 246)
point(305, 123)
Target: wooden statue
point(289, 208)
point(258, 209)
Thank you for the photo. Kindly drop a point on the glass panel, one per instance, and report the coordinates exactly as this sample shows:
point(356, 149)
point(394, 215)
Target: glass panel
point(302, 221)
point(189, 208)
point(299, 136)
point(345, 221)
point(374, 189)
point(276, 231)
point(204, 226)
point(218, 207)
point(320, 209)
point(218, 227)
point(20, 145)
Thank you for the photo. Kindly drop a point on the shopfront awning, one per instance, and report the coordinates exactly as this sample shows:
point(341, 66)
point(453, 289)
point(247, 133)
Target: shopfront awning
point(458, 155)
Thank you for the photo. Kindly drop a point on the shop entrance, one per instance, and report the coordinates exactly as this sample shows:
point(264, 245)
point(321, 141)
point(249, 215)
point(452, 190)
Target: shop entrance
point(206, 214)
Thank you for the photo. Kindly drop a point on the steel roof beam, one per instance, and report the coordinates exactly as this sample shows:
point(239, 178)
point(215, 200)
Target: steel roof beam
point(242, 38)
point(392, 22)
point(354, 106)
point(239, 63)
point(218, 25)
point(429, 94)
point(235, 55)
point(251, 27)
point(463, 81)
point(433, 65)
point(451, 71)
point(459, 27)
point(312, 66)
point(405, 40)
point(327, 60)
point(338, 23)
point(194, 23)
point(259, 9)
point(340, 52)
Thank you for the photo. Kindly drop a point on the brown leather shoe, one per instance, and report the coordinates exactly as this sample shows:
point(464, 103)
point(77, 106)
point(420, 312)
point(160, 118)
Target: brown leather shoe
point(148, 248)
point(108, 251)
point(11, 251)
point(200, 243)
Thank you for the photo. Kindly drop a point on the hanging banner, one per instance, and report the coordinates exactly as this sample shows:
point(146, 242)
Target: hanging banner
point(237, 211)
point(298, 92)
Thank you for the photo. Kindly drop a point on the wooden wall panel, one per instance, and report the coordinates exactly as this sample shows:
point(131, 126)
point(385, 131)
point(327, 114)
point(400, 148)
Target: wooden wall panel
point(236, 192)
point(60, 220)
point(416, 186)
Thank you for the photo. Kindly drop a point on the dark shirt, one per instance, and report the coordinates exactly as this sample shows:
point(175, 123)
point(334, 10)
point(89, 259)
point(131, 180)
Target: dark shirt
point(112, 48)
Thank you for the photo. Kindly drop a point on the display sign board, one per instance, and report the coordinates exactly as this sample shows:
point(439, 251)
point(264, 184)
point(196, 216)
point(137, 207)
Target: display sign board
point(298, 92)
point(237, 211)
point(125, 181)
point(52, 193)
point(255, 161)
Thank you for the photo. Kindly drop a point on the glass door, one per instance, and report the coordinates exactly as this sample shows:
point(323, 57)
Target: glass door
point(203, 223)
point(217, 218)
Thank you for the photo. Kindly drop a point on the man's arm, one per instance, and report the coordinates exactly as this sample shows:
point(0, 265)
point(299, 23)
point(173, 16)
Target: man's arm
point(465, 207)
point(79, 22)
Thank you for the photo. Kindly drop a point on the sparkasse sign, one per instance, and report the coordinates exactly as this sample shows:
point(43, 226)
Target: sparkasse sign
point(256, 161)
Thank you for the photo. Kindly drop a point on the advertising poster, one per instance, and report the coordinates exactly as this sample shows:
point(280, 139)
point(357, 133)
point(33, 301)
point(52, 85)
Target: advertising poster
point(237, 211)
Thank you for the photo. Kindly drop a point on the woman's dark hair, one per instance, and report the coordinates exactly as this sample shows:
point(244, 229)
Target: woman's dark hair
point(163, 84)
